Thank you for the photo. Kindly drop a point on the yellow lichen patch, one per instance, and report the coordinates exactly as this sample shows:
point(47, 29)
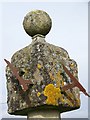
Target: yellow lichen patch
point(58, 83)
point(53, 94)
point(38, 94)
point(59, 79)
point(68, 102)
point(72, 65)
point(39, 66)
point(62, 100)
point(70, 95)
point(48, 89)
point(78, 102)
point(62, 83)
point(51, 76)
point(59, 76)
point(51, 101)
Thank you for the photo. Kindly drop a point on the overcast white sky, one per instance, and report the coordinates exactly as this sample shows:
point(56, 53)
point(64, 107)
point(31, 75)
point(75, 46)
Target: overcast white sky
point(69, 30)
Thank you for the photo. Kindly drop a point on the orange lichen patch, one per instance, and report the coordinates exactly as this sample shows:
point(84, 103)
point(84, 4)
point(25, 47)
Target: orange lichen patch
point(51, 76)
point(53, 94)
point(39, 66)
point(38, 94)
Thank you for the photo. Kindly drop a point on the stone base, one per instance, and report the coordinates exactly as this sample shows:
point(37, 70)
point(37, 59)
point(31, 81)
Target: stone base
point(44, 115)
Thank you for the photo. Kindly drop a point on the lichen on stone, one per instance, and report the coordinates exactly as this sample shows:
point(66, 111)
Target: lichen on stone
point(53, 94)
point(40, 62)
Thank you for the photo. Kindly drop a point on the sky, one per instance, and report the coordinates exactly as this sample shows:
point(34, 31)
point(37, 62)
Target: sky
point(69, 30)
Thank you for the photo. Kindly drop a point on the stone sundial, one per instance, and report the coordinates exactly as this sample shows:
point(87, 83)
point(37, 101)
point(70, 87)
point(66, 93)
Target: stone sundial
point(38, 82)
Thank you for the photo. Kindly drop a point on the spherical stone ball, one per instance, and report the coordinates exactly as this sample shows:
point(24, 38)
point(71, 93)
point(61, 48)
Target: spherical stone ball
point(37, 22)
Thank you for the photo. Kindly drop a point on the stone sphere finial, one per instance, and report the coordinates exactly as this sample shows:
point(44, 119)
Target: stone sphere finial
point(37, 22)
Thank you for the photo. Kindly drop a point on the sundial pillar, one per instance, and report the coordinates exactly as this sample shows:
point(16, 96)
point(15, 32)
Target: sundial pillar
point(42, 80)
